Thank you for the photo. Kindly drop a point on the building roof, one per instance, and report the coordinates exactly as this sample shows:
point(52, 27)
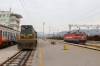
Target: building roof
point(17, 15)
point(7, 27)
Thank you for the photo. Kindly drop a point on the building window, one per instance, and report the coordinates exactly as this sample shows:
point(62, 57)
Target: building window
point(7, 15)
point(0, 15)
point(3, 15)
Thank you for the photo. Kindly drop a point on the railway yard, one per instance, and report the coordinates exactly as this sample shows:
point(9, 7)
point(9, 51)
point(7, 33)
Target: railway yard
point(50, 33)
point(48, 54)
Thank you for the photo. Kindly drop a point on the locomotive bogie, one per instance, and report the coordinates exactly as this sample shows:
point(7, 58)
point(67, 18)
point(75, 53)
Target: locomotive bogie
point(26, 44)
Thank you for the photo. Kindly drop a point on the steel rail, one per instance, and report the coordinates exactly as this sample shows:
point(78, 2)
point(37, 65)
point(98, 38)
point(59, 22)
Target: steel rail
point(9, 58)
point(19, 59)
point(27, 59)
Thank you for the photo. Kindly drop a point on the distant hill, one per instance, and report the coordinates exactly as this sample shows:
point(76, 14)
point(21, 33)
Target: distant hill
point(90, 32)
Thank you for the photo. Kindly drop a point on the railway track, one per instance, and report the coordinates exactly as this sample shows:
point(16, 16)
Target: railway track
point(22, 58)
point(95, 45)
point(88, 43)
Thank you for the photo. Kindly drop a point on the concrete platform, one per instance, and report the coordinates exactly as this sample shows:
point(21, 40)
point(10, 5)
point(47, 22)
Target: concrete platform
point(48, 54)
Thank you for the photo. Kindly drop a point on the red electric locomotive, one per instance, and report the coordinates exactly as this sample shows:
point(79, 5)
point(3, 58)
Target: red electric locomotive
point(8, 36)
point(76, 37)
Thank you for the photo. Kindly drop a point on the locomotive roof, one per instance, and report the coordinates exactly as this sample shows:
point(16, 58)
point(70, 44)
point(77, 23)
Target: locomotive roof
point(28, 25)
point(7, 27)
point(77, 33)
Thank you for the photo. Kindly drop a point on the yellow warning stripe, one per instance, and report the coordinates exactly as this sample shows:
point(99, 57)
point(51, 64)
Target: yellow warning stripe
point(40, 55)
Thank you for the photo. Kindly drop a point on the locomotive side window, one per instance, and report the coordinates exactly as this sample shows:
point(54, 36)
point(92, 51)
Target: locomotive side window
point(14, 34)
point(5, 34)
point(8, 33)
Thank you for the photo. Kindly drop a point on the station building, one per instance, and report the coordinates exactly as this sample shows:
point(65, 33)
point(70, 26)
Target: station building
point(10, 19)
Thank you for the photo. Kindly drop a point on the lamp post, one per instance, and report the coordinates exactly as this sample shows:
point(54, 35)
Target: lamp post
point(43, 30)
point(53, 34)
point(49, 31)
point(57, 30)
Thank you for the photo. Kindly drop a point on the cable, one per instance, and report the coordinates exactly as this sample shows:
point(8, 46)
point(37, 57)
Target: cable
point(25, 10)
point(87, 13)
point(90, 11)
point(89, 17)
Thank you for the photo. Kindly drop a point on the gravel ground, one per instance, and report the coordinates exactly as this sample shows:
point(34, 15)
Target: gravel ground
point(7, 52)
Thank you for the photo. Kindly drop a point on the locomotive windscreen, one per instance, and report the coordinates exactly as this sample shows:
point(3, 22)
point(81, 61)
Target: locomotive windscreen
point(26, 29)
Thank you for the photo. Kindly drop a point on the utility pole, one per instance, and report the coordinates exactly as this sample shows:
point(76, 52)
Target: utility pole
point(57, 31)
point(53, 34)
point(49, 31)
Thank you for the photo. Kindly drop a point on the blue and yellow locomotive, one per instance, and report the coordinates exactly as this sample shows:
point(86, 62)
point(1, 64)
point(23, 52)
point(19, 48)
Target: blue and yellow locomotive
point(28, 37)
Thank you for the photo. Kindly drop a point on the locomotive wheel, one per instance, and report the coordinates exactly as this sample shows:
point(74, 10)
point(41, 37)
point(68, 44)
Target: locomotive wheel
point(83, 43)
point(6, 44)
point(3, 45)
point(80, 42)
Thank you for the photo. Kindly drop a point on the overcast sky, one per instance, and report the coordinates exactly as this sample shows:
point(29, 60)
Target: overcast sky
point(57, 14)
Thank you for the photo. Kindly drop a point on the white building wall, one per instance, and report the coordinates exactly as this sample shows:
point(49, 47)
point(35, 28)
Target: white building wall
point(8, 18)
point(15, 21)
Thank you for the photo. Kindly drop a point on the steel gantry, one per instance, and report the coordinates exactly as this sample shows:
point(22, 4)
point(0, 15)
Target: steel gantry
point(78, 26)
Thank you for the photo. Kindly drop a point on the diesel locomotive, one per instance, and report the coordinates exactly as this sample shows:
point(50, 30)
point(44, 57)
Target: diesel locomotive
point(28, 37)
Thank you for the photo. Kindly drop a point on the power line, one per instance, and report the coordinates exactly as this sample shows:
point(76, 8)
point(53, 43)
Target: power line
point(90, 11)
point(87, 13)
point(89, 17)
point(25, 10)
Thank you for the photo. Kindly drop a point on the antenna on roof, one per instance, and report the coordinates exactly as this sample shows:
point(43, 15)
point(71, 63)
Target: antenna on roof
point(10, 9)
